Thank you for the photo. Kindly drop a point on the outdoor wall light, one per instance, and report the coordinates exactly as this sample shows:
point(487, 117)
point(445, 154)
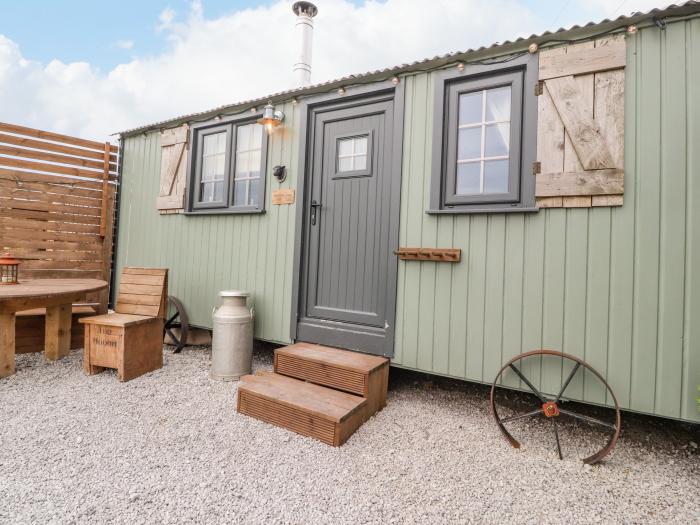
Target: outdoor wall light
point(9, 269)
point(271, 118)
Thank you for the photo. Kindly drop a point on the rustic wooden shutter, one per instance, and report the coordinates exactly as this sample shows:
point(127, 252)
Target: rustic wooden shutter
point(173, 169)
point(580, 130)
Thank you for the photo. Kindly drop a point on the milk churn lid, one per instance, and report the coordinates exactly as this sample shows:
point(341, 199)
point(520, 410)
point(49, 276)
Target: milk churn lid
point(234, 293)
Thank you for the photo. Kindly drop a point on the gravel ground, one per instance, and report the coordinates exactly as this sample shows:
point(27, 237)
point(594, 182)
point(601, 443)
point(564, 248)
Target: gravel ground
point(169, 448)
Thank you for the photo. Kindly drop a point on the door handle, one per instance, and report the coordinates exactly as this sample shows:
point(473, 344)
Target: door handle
point(314, 206)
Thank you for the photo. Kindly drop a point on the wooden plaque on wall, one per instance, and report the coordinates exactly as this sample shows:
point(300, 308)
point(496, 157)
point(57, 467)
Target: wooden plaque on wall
point(283, 196)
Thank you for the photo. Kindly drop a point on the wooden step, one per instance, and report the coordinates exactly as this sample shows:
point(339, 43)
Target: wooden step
point(353, 372)
point(305, 408)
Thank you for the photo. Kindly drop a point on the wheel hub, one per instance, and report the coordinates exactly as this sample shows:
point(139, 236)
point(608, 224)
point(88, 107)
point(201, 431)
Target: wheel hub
point(550, 409)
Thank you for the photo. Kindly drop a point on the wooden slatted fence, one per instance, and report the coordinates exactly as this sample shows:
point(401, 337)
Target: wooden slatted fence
point(57, 201)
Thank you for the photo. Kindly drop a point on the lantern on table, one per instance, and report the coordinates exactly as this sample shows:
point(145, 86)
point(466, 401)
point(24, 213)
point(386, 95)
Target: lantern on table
point(9, 269)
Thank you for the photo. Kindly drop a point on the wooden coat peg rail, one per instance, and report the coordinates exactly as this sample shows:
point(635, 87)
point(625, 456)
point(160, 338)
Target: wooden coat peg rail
point(429, 254)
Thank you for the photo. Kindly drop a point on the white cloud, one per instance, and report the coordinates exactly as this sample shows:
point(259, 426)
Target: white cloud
point(125, 44)
point(245, 54)
point(613, 9)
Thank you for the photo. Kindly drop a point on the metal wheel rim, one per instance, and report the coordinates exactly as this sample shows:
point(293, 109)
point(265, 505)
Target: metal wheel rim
point(595, 458)
point(178, 319)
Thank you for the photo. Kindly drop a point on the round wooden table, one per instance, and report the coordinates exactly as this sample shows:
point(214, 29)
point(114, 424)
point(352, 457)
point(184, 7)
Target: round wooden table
point(57, 296)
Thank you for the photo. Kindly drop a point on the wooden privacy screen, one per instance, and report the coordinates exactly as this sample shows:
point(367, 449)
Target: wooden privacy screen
point(57, 197)
point(173, 169)
point(580, 135)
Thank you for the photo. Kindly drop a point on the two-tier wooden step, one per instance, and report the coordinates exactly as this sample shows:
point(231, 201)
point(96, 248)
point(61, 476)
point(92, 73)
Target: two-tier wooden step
point(317, 391)
point(311, 410)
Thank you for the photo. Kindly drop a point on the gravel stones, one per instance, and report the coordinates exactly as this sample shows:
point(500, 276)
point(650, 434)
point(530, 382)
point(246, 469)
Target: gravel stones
point(169, 447)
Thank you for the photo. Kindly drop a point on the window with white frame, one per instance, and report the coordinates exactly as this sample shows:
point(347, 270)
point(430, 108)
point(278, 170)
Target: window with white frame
point(246, 184)
point(484, 138)
point(483, 141)
point(228, 166)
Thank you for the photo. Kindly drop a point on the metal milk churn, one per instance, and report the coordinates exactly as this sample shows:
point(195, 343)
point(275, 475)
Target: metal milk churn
point(232, 338)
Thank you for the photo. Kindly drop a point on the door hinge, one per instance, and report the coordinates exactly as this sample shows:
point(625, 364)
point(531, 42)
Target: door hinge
point(539, 88)
point(536, 167)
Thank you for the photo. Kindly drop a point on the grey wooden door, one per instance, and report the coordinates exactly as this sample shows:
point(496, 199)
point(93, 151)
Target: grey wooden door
point(351, 224)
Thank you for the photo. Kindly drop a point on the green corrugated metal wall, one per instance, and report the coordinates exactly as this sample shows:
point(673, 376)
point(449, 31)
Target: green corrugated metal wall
point(206, 254)
point(612, 285)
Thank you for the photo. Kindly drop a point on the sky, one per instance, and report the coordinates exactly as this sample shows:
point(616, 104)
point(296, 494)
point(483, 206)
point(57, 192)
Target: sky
point(95, 68)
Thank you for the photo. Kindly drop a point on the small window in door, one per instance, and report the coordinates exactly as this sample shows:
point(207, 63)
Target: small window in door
point(353, 156)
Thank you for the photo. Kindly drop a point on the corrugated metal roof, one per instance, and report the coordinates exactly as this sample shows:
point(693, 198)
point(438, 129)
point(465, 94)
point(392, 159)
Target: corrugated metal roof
point(685, 8)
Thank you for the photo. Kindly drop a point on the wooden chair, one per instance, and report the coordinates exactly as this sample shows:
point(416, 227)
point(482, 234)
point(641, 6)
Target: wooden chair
point(131, 338)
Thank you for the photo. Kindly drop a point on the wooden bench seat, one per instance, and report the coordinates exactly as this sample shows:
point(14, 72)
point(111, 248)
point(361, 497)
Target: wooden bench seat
point(130, 340)
point(117, 319)
point(30, 326)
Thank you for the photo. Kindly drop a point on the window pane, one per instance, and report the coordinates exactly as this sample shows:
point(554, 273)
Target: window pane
point(470, 108)
point(498, 104)
point(243, 164)
point(243, 137)
point(468, 178)
point(248, 162)
point(361, 162)
point(239, 193)
point(496, 176)
point(213, 167)
point(360, 146)
point(212, 191)
point(254, 193)
point(345, 147)
point(257, 134)
point(214, 143)
point(469, 143)
point(345, 164)
point(254, 162)
point(497, 140)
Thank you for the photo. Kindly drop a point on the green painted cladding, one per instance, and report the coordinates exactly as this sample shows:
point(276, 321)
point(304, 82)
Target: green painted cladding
point(614, 286)
point(209, 253)
point(611, 285)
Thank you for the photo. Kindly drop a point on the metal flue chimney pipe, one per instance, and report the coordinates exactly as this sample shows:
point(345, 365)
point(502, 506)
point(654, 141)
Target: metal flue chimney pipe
point(305, 11)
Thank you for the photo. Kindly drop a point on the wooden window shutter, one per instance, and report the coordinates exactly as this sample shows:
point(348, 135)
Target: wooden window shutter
point(581, 121)
point(173, 169)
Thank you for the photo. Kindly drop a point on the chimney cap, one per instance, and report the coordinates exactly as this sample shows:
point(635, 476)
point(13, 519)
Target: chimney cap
point(306, 8)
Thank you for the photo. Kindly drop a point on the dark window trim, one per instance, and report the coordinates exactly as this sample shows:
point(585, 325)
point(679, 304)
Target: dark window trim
point(451, 81)
point(193, 173)
point(197, 140)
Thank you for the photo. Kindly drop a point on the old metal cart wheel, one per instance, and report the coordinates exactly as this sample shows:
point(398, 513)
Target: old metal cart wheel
point(552, 407)
point(179, 320)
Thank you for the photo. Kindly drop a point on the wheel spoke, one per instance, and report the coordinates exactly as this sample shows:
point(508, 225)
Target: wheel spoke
point(172, 336)
point(169, 321)
point(566, 383)
point(556, 435)
point(527, 382)
point(587, 419)
point(521, 416)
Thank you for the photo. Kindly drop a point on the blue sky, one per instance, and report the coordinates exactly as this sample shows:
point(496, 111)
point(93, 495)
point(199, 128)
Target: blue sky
point(91, 68)
point(100, 32)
